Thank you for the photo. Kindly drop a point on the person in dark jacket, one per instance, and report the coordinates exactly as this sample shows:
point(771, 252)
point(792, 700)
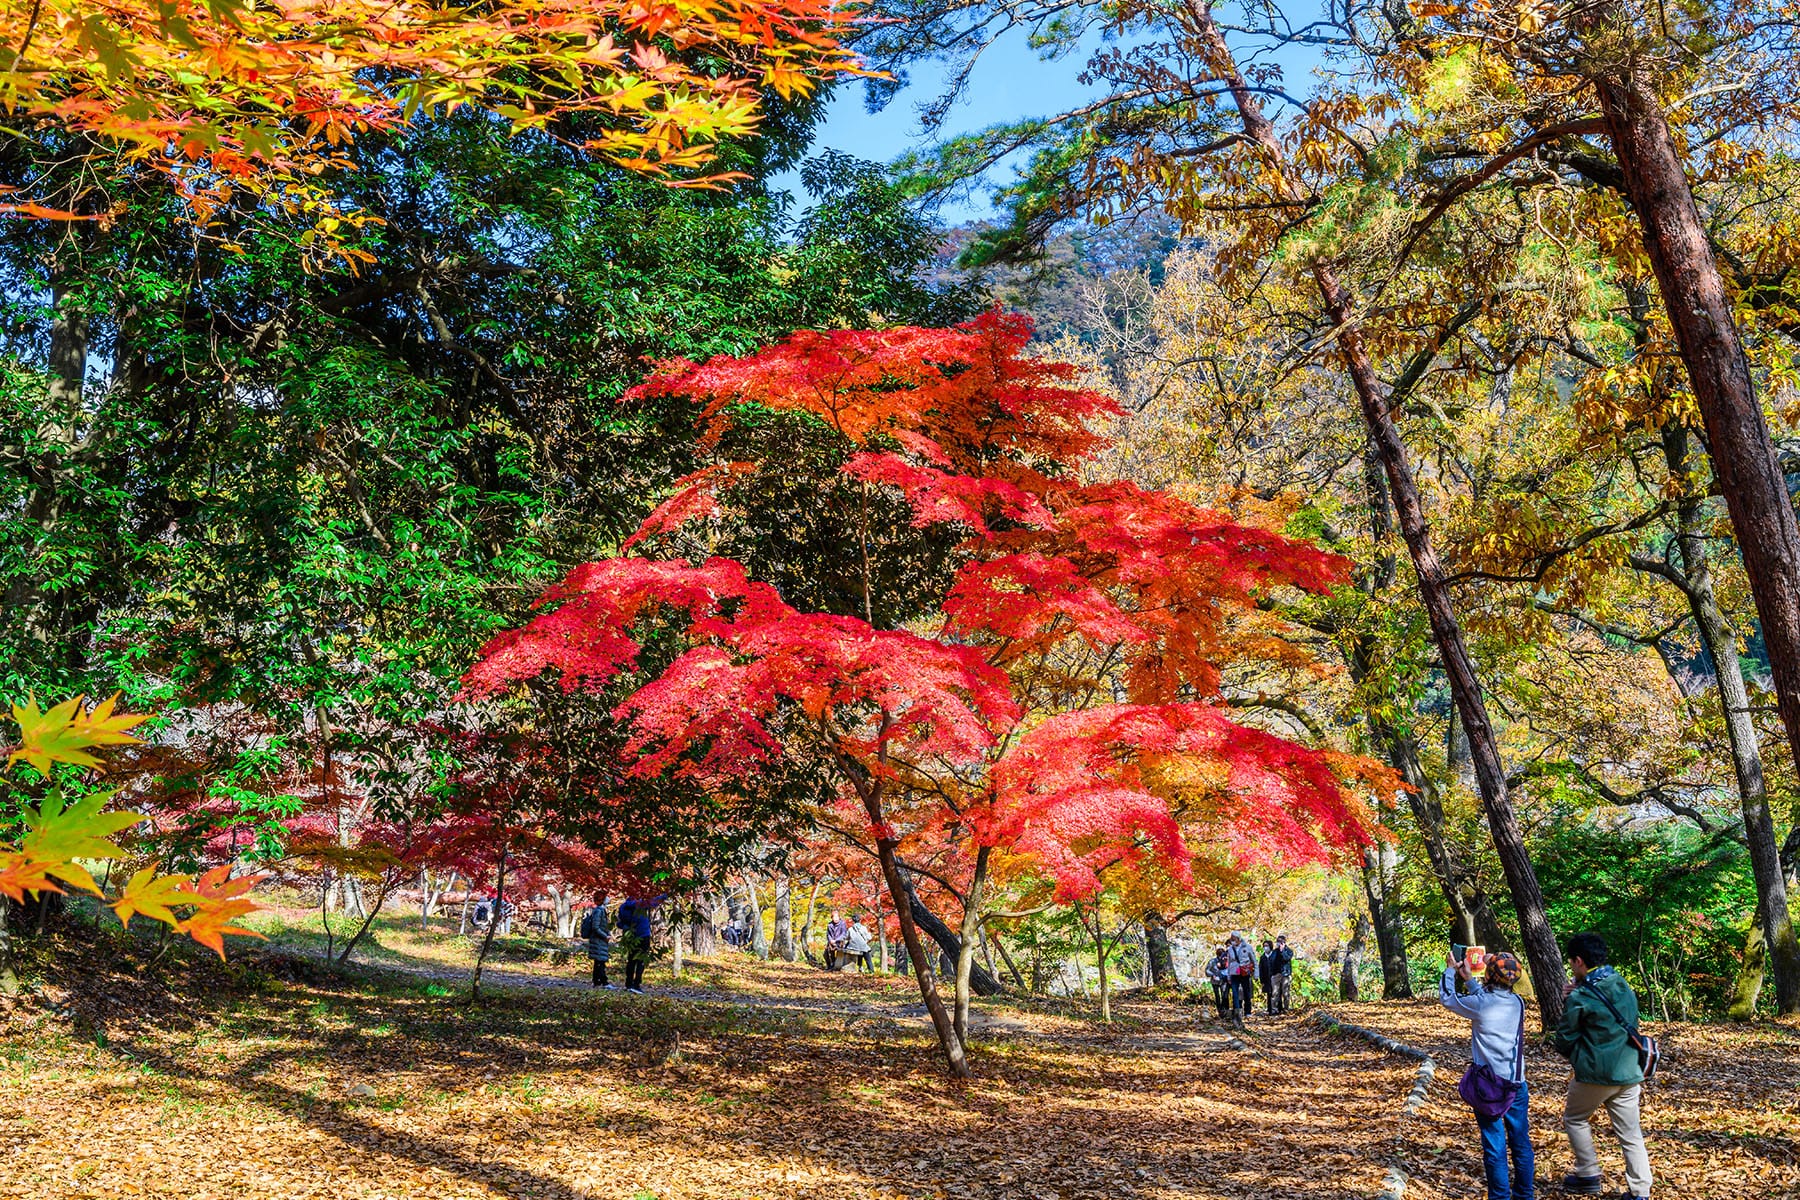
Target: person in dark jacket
point(1599, 1012)
point(1241, 966)
point(634, 928)
point(597, 929)
point(1284, 972)
point(1265, 975)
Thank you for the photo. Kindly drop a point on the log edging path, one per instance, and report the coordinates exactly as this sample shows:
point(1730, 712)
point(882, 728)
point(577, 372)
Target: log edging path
point(1394, 1187)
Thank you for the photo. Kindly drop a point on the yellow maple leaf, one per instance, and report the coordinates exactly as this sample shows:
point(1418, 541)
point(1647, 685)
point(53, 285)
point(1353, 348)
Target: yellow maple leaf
point(67, 731)
point(152, 894)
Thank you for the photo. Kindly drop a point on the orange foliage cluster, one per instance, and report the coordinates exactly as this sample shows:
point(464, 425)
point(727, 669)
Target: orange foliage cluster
point(261, 95)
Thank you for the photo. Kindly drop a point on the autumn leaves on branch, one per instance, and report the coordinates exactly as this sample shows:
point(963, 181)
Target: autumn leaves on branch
point(228, 97)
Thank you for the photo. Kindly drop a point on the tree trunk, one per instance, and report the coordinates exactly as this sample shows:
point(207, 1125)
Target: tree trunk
point(1700, 313)
point(487, 939)
point(1750, 976)
point(675, 960)
point(431, 897)
point(1772, 912)
point(759, 937)
point(703, 930)
point(1349, 988)
point(1541, 949)
point(1100, 960)
point(971, 932)
point(805, 939)
point(1011, 967)
point(1471, 913)
point(1157, 951)
point(915, 952)
point(563, 900)
point(783, 945)
point(980, 982)
point(881, 931)
point(1380, 866)
point(387, 882)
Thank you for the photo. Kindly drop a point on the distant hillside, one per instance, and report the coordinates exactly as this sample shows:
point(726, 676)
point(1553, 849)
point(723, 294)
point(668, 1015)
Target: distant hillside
point(1059, 287)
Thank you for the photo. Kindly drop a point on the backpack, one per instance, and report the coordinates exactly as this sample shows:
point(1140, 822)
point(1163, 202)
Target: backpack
point(1649, 1049)
point(587, 925)
point(1485, 1092)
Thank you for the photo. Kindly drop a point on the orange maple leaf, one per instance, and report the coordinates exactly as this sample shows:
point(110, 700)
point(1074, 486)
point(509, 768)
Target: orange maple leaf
point(21, 873)
point(217, 900)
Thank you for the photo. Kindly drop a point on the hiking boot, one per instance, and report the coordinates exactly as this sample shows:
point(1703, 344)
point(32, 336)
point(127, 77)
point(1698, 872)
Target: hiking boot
point(1581, 1185)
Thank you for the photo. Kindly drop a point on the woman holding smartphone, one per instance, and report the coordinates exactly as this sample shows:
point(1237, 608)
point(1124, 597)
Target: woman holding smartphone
point(1499, 1096)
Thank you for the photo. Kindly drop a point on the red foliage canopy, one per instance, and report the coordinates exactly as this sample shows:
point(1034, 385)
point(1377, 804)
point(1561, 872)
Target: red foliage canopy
point(1120, 590)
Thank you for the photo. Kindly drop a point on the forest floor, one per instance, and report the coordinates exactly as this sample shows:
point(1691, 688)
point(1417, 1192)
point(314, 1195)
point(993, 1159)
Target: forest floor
point(278, 1077)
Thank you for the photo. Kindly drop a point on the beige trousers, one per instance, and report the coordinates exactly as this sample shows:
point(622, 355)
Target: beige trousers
point(1622, 1107)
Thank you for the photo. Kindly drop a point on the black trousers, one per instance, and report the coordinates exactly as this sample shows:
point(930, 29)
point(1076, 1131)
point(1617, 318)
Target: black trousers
point(599, 973)
point(634, 970)
point(1221, 997)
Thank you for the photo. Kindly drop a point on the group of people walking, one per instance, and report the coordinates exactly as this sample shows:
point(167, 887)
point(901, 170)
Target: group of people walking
point(631, 921)
point(1235, 966)
point(1598, 1035)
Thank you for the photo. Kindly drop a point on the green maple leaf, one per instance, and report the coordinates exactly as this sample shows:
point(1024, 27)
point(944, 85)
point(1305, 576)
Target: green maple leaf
point(61, 834)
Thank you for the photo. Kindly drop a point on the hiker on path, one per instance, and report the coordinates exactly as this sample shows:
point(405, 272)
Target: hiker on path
point(1284, 973)
point(1241, 960)
point(597, 928)
point(1265, 975)
point(857, 942)
point(1599, 1018)
point(634, 928)
point(1497, 1046)
point(1218, 973)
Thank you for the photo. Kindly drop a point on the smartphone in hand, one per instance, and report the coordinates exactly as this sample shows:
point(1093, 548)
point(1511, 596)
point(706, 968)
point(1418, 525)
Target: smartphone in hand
point(1458, 951)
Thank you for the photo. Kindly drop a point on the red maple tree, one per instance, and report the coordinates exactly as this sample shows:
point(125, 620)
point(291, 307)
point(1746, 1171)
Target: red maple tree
point(1060, 702)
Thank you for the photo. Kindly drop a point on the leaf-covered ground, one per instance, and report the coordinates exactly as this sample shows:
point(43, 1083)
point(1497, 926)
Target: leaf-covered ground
point(284, 1080)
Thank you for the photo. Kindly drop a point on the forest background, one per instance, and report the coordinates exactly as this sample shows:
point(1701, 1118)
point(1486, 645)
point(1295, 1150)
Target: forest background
point(278, 464)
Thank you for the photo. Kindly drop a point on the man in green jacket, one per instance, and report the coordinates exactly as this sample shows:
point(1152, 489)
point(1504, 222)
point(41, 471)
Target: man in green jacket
point(1593, 1037)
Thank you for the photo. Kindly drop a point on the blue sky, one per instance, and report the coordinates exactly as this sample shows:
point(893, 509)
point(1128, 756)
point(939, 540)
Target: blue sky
point(1010, 82)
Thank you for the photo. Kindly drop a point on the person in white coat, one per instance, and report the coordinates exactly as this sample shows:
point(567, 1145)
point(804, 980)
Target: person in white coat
point(857, 941)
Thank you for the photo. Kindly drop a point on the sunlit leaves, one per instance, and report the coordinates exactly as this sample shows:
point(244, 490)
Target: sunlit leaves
point(65, 732)
point(263, 97)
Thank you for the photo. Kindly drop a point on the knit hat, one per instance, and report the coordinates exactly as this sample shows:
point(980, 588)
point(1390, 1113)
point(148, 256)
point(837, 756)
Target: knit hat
point(1504, 967)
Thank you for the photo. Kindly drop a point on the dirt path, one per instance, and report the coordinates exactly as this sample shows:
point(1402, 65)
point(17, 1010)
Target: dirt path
point(828, 995)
